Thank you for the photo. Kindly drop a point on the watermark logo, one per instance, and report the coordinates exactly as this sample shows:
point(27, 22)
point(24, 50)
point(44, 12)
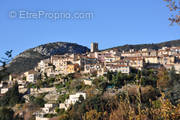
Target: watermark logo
point(12, 14)
point(51, 15)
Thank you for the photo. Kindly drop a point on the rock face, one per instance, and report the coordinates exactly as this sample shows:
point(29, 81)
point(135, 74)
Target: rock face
point(28, 59)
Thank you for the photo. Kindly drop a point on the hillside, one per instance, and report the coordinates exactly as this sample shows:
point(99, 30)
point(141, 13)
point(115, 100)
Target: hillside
point(149, 46)
point(28, 59)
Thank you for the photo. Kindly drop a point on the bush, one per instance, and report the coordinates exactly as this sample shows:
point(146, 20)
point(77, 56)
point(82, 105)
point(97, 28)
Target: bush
point(12, 97)
point(37, 100)
point(63, 97)
point(6, 114)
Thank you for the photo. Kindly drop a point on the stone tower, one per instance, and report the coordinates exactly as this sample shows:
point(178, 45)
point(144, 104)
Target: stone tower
point(94, 47)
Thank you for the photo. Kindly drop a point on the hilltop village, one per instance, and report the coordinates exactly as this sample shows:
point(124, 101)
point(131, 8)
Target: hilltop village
point(51, 78)
point(100, 62)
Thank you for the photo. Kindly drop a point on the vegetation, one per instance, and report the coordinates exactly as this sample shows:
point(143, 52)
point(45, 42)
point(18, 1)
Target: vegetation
point(6, 114)
point(38, 101)
point(145, 100)
point(62, 98)
point(145, 94)
point(12, 97)
point(4, 62)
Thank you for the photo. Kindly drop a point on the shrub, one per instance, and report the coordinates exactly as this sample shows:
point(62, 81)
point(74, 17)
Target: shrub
point(6, 114)
point(12, 97)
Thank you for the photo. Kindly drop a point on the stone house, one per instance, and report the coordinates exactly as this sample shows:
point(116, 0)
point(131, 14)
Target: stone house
point(32, 76)
point(90, 68)
point(135, 62)
point(118, 68)
point(87, 82)
point(152, 59)
point(72, 100)
point(72, 68)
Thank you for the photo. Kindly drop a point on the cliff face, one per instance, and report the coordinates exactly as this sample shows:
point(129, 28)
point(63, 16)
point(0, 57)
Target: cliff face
point(28, 59)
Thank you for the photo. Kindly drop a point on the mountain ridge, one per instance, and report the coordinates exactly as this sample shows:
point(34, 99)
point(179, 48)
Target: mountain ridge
point(171, 43)
point(29, 58)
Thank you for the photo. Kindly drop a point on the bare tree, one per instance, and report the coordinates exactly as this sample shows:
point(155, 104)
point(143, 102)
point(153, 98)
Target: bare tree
point(174, 7)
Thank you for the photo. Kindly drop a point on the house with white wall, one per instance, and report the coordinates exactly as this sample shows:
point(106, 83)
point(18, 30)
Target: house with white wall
point(72, 100)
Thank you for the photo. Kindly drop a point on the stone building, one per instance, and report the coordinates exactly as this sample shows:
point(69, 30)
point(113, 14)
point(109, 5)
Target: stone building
point(94, 47)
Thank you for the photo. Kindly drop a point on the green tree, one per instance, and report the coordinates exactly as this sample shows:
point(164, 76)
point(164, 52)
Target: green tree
point(12, 97)
point(103, 85)
point(3, 62)
point(63, 97)
point(173, 76)
point(109, 75)
point(81, 98)
point(119, 79)
point(37, 100)
point(6, 114)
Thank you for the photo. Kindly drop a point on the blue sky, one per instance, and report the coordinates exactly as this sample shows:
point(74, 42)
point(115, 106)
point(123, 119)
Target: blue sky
point(115, 22)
